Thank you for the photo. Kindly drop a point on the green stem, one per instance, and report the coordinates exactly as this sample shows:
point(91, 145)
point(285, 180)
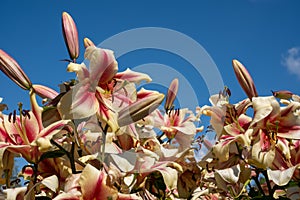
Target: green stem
point(70, 155)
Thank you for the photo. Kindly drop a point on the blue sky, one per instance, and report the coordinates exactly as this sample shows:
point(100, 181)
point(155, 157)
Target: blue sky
point(262, 34)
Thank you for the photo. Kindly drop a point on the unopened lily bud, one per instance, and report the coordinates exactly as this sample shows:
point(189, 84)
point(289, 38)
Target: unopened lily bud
point(44, 91)
point(244, 79)
point(87, 42)
point(140, 109)
point(12, 69)
point(282, 94)
point(70, 35)
point(171, 96)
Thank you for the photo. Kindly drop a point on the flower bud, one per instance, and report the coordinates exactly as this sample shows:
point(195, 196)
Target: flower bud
point(11, 68)
point(172, 92)
point(140, 109)
point(282, 94)
point(87, 42)
point(70, 35)
point(44, 91)
point(244, 79)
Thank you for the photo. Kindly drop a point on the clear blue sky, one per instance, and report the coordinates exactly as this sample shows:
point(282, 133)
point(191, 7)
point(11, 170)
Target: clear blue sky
point(260, 33)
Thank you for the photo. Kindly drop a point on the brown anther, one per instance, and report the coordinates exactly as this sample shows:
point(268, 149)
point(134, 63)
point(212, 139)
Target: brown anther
point(9, 117)
point(14, 116)
point(25, 113)
point(228, 92)
point(177, 111)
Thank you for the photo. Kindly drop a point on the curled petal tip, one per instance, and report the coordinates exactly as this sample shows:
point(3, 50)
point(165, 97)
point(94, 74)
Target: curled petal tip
point(12, 69)
point(70, 35)
point(244, 79)
point(171, 95)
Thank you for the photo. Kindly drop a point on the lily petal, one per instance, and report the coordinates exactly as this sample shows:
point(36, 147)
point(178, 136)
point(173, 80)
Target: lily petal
point(78, 103)
point(103, 65)
point(94, 185)
point(132, 76)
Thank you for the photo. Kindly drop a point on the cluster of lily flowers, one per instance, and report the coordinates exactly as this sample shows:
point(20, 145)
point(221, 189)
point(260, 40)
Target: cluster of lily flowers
point(101, 137)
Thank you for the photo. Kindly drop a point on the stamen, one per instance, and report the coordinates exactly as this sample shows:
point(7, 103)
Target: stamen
point(9, 117)
point(178, 111)
point(14, 116)
point(115, 82)
point(25, 113)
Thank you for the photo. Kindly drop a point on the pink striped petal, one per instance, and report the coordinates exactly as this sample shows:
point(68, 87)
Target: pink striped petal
point(78, 103)
point(94, 185)
point(132, 76)
point(103, 65)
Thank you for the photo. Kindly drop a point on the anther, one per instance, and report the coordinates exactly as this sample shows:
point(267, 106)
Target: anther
point(9, 117)
point(14, 116)
point(25, 113)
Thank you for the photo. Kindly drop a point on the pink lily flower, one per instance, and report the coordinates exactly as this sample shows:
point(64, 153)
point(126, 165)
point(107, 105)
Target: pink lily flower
point(96, 92)
point(236, 132)
point(274, 126)
point(175, 125)
point(25, 134)
point(85, 99)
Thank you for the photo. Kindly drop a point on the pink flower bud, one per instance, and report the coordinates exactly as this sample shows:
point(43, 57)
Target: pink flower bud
point(282, 94)
point(11, 68)
point(87, 42)
point(140, 109)
point(44, 91)
point(70, 35)
point(244, 79)
point(172, 92)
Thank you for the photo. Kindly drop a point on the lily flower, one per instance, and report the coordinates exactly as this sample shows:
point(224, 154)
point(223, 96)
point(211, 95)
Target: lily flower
point(70, 35)
point(24, 134)
point(83, 100)
point(178, 125)
point(101, 90)
point(12, 69)
point(275, 126)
